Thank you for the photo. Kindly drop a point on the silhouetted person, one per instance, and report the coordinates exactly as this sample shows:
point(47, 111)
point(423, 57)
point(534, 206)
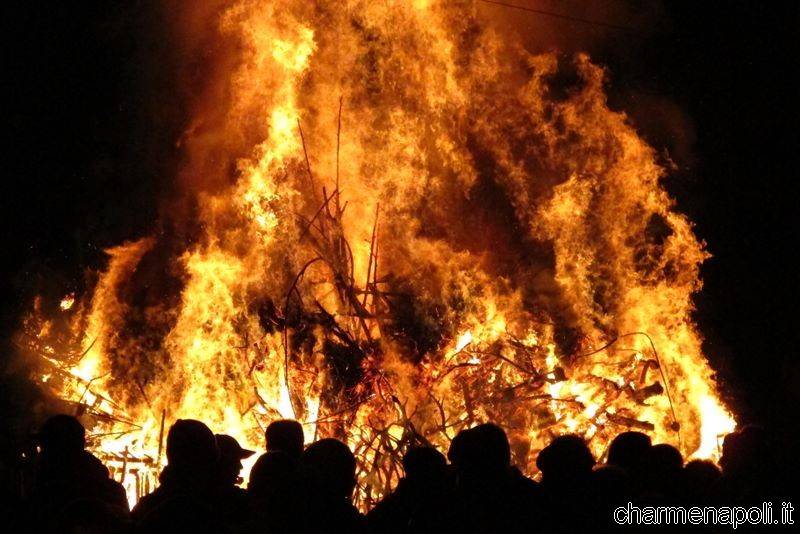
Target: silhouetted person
point(485, 452)
point(565, 462)
point(748, 468)
point(456, 449)
point(275, 492)
point(68, 475)
point(330, 468)
point(272, 471)
point(90, 516)
point(489, 495)
point(566, 466)
point(286, 436)
point(610, 487)
point(425, 465)
point(419, 495)
point(699, 482)
point(233, 504)
point(628, 451)
point(231, 455)
point(188, 491)
point(664, 464)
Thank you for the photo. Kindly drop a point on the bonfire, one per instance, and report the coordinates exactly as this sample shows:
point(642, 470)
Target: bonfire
point(394, 224)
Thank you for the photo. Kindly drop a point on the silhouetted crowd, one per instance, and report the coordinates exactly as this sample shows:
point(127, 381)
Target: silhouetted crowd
point(294, 488)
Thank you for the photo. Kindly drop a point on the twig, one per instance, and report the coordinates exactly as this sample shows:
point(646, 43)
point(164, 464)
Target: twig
point(161, 436)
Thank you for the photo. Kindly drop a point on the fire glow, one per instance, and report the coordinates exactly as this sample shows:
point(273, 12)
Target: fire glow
point(426, 228)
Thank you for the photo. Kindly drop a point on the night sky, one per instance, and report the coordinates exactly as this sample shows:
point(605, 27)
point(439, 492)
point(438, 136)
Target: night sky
point(93, 109)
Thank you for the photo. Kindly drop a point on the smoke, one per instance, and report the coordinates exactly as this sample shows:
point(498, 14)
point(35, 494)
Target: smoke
point(574, 26)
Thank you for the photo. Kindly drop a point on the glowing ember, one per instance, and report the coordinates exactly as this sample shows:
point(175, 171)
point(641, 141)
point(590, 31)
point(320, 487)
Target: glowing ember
point(67, 302)
point(469, 234)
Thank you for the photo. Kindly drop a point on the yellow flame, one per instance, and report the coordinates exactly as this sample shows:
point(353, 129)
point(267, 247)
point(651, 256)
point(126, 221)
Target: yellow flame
point(67, 302)
point(524, 224)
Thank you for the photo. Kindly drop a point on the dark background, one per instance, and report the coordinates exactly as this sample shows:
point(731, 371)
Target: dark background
point(93, 109)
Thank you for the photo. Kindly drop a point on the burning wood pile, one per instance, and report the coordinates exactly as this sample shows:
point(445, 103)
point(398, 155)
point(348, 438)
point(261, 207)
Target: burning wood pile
point(400, 225)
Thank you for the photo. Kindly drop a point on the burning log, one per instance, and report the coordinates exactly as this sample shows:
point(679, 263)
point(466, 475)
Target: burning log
point(161, 436)
point(641, 395)
point(630, 422)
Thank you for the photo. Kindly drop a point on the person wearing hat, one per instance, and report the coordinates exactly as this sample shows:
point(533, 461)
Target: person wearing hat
point(231, 455)
point(233, 502)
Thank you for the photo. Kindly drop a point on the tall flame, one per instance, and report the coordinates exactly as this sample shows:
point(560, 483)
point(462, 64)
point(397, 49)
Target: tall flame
point(427, 227)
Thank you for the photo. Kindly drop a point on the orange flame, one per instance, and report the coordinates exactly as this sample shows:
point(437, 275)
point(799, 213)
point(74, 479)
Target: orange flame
point(467, 238)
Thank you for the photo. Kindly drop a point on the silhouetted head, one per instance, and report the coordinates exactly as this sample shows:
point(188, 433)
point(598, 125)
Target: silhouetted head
point(424, 464)
point(481, 451)
point(611, 483)
point(566, 460)
point(744, 451)
point(272, 473)
point(662, 470)
point(699, 477)
point(231, 455)
point(332, 468)
point(664, 458)
point(455, 451)
point(702, 471)
point(628, 450)
point(62, 435)
point(191, 445)
point(286, 436)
